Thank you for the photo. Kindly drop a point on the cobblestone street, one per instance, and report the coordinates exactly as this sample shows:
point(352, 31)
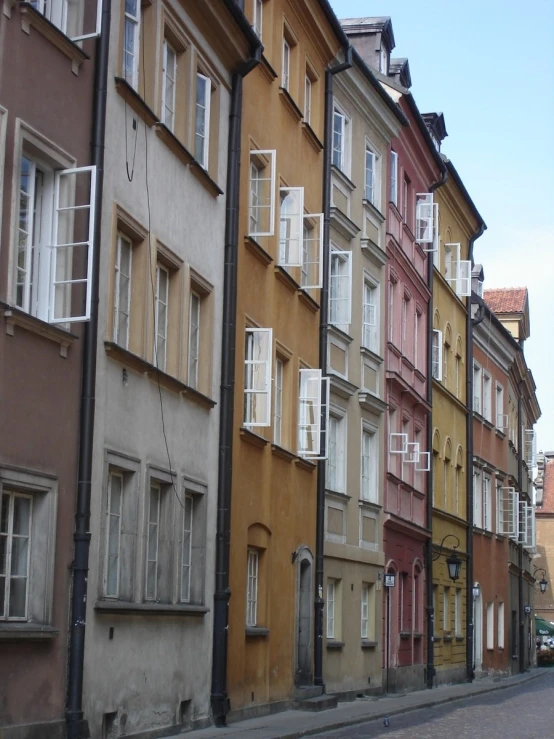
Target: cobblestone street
point(521, 712)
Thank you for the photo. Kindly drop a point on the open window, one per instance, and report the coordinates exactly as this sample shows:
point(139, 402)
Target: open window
point(291, 226)
point(424, 218)
point(257, 377)
point(312, 252)
point(529, 447)
point(340, 288)
point(509, 518)
point(457, 272)
point(530, 541)
point(436, 368)
point(313, 402)
point(68, 16)
point(261, 214)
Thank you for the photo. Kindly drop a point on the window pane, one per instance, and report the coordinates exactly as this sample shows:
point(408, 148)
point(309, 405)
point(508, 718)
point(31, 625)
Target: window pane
point(18, 598)
point(186, 555)
point(202, 119)
point(194, 339)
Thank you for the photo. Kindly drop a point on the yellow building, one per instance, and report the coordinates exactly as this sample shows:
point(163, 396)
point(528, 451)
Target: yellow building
point(458, 224)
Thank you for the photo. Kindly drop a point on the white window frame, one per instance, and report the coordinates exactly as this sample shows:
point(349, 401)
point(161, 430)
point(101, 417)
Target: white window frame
point(122, 307)
point(312, 264)
point(133, 21)
point(285, 61)
point(487, 396)
point(490, 625)
point(268, 158)
point(169, 74)
point(530, 542)
point(340, 287)
point(278, 401)
point(501, 417)
point(529, 447)
point(487, 502)
point(202, 138)
point(261, 369)
point(477, 388)
point(393, 193)
point(9, 537)
point(252, 583)
point(307, 99)
point(500, 625)
point(457, 272)
point(370, 325)
point(195, 317)
point(291, 226)
point(257, 17)
point(160, 327)
point(371, 189)
point(336, 457)
point(477, 497)
point(338, 153)
point(437, 348)
point(56, 11)
point(116, 512)
point(313, 404)
point(364, 614)
point(424, 218)
point(458, 628)
point(369, 490)
point(509, 525)
point(330, 610)
point(187, 559)
point(152, 541)
point(446, 608)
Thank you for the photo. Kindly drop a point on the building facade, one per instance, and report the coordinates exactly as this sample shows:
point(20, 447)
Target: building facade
point(154, 477)
point(365, 119)
point(544, 483)
point(47, 199)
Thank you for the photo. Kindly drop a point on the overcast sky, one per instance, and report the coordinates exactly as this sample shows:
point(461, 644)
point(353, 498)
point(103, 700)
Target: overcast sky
point(488, 65)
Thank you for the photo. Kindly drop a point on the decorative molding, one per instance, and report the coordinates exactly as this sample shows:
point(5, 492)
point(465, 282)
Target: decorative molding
point(343, 224)
point(284, 276)
point(27, 632)
point(173, 143)
point(203, 176)
point(312, 137)
point(7, 7)
point(31, 17)
point(339, 175)
point(150, 609)
point(372, 403)
point(373, 252)
point(267, 70)
point(257, 250)
point(252, 438)
point(135, 101)
point(16, 317)
point(305, 297)
point(341, 387)
point(256, 631)
point(290, 105)
point(283, 453)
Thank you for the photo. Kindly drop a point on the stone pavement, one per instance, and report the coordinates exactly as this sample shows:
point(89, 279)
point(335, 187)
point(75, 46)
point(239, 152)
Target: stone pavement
point(293, 724)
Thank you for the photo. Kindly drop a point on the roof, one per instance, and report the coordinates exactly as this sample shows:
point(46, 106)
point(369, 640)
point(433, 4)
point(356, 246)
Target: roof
point(548, 487)
point(506, 299)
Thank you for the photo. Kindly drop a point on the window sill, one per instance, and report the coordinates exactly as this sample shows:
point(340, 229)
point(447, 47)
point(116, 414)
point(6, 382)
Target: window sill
point(342, 178)
point(31, 17)
point(373, 209)
point(267, 70)
point(256, 631)
point(253, 438)
point(202, 176)
point(283, 453)
point(305, 298)
point(340, 386)
point(173, 143)
point(501, 434)
point(286, 278)
point(459, 638)
point(405, 635)
point(369, 505)
point(290, 105)
point(334, 644)
point(135, 101)
point(343, 224)
point(257, 251)
point(370, 402)
point(408, 231)
point(124, 356)
point(305, 464)
point(338, 495)
point(27, 632)
point(418, 636)
point(16, 317)
point(149, 609)
point(366, 644)
point(373, 251)
point(370, 354)
point(312, 137)
point(447, 637)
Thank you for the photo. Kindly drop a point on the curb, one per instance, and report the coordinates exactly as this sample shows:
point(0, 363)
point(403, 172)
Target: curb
point(345, 723)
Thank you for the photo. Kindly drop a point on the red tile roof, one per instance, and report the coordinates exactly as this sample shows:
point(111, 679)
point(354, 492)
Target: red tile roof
point(548, 488)
point(506, 299)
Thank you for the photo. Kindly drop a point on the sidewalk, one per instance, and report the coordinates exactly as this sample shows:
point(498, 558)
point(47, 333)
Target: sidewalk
point(294, 724)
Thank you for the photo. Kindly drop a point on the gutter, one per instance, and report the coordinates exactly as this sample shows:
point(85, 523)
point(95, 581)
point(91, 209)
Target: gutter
point(430, 668)
point(222, 593)
point(470, 325)
point(323, 334)
point(77, 726)
point(521, 650)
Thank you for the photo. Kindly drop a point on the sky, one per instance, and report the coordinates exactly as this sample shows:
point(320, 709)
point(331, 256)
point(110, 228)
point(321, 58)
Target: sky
point(488, 66)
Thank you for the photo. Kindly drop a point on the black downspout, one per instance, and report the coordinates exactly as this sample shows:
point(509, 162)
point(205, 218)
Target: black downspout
point(521, 650)
point(430, 669)
point(323, 331)
point(470, 324)
point(222, 593)
point(77, 727)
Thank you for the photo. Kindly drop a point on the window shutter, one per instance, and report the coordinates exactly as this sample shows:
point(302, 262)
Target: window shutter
point(529, 447)
point(73, 245)
point(510, 524)
point(96, 32)
point(398, 443)
point(437, 355)
point(312, 250)
point(257, 373)
point(313, 398)
point(393, 178)
point(262, 193)
point(291, 226)
point(531, 539)
point(340, 288)
point(501, 421)
point(425, 465)
point(424, 218)
point(522, 532)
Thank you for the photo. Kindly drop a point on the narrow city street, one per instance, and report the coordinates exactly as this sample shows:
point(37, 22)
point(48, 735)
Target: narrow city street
point(521, 712)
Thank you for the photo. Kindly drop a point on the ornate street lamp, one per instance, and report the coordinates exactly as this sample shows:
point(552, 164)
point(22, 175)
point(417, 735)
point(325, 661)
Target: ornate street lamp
point(543, 583)
point(453, 562)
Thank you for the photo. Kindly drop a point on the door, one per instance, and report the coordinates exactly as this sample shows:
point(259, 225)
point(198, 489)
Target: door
point(304, 622)
point(478, 631)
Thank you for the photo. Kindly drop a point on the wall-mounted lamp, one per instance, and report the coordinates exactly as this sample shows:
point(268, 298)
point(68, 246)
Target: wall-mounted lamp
point(543, 583)
point(453, 562)
point(476, 590)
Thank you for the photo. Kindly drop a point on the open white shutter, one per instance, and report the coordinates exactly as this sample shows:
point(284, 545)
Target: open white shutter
point(340, 288)
point(463, 283)
point(411, 454)
point(522, 533)
point(424, 218)
point(93, 33)
point(262, 192)
point(257, 377)
point(508, 520)
point(424, 462)
point(312, 249)
point(291, 226)
point(529, 447)
point(309, 414)
point(324, 435)
point(436, 368)
point(71, 256)
point(398, 443)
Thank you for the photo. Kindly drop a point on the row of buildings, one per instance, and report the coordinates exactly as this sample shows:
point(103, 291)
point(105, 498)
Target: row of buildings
point(264, 434)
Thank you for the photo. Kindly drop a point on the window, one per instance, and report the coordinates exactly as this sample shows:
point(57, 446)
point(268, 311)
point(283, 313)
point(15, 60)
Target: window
point(446, 356)
point(406, 200)
point(54, 239)
point(278, 402)
point(261, 221)
point(313, 401)
point(332, 608)
point(131, 42)
point(186, 583)
point(435, 606)
point(490, 625)
point(258, 10)
point(152, 540)
point(417, 329)
point(457, 272)
point(487, 503)
point(458, 612)
point(169, 73)
point(161, 303)
point(477, 389)
point(365, 611)
point(257, 376)
point(369, 467)
point(477, 499)
point(391, 311)
point(487, 396)
point(291, 226)
point(202, 120)
point(500, 635)
point(194, 339)
point(383, 60)
point(122, 291)
point(501, 418)
point(67, 15)
point(340, 288)
point(436, 366)
point(307, 99)
point(393, 195)
point(312, 252)
point(370, 338)
point(339, 143)
point(446, 486)
point(113, 534)
point(425, 219)
point(285, 74)
point(15, 549)
point(252, 587)
point(336, 458)
point(446, 609)
point(499, 507)
point(458, 367)
point(405, 310)
point(370, 176)
point(457, 486)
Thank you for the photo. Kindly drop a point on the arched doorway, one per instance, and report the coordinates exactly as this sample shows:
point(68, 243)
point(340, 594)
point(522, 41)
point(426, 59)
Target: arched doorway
point(304, 617)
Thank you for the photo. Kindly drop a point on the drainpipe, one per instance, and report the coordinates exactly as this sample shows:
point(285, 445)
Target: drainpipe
point(77, 726)
point(222, 594)
point(470, 324)
point(323, 332)
point(430, 669)
point(521, 651)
